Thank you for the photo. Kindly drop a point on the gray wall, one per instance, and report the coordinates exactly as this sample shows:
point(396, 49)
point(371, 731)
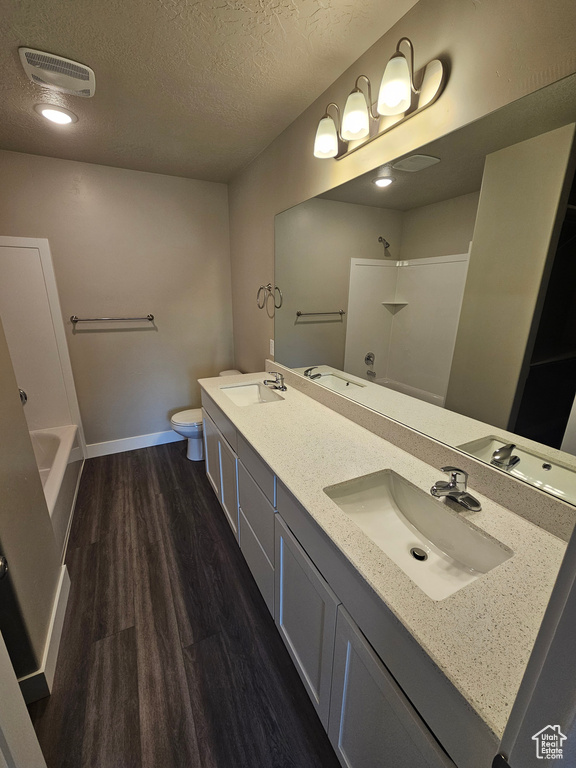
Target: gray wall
point(440, 229)
point(128, 243)
point(314, 243)
point(26, 537)
point(498, 52)
point(517, 212)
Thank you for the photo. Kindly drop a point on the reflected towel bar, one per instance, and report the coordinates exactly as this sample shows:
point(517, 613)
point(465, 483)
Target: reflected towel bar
point(75, 319)
point(305, 314)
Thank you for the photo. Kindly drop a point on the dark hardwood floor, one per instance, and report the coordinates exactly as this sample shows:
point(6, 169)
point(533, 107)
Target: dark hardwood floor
point(169, 657)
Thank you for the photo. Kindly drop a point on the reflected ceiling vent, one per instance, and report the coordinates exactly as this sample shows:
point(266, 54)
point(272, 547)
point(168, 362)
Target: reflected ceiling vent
point(414, 163)
point(58, 73)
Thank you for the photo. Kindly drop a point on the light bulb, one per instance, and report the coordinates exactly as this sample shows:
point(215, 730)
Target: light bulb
point(383, 181)
point(395, 90)
point(355, 122)
point(57, 115)
point(326, 141)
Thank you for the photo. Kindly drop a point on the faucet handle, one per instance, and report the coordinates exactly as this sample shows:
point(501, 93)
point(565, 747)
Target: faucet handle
point(458, 477)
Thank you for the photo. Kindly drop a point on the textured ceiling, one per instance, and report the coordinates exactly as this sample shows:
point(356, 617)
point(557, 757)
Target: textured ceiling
point(192, 88)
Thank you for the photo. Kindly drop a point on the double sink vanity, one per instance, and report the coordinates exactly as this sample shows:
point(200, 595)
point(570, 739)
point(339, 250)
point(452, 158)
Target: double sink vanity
point(409, 619)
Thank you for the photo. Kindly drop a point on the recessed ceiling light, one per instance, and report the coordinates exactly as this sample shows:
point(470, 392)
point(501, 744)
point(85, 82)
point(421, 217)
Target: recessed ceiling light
point(56, 114)
point(383, 181)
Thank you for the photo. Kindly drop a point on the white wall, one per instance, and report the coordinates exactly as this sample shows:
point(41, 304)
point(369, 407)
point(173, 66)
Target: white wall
point(127, 243)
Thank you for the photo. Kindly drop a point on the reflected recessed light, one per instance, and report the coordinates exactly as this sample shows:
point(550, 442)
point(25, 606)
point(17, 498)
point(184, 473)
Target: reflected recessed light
point(383, 181)
point(57, 115)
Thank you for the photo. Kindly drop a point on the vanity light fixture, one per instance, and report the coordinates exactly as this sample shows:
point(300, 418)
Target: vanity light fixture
point(383, 181)
point(362, 121)
point(326, 142)
point(56, 114)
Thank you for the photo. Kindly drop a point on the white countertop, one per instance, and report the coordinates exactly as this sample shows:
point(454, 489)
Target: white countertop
point(453, 429)
point(481, 636)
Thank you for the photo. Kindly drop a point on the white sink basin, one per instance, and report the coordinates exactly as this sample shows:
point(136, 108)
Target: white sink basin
point(538, 471)
point(338, 383)
point(398, 517)
point(250, 394)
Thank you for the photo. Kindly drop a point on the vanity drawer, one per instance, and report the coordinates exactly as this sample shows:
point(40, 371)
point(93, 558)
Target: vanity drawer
point(257, 510)
point(258, 468)
point(260, 567)
point(227, 429)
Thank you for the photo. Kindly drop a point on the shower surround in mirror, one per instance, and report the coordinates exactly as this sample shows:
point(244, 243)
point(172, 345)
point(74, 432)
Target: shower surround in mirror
point(406, 314)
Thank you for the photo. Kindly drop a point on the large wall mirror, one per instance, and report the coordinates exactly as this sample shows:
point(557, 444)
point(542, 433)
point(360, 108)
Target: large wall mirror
point(447, 299)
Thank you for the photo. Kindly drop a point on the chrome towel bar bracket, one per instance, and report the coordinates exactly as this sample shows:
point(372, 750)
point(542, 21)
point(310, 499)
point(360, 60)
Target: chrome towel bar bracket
point(75, 319)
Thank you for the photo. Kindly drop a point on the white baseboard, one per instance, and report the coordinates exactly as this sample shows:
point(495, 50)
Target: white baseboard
point(131, 443)
point(38, 684)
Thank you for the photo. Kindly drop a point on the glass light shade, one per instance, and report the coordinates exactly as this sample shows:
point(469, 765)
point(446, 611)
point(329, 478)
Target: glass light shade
point(55, 114)
point(355, 122)
point(326, 141)
point(395, 93)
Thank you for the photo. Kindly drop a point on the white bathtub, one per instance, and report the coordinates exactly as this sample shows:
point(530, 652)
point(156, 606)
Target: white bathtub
point(59, 459)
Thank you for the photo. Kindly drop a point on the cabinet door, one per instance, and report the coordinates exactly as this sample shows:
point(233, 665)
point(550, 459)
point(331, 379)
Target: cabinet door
point(229, 484)
point(305, 614)
point(260, 567)
point(257, 510)
point(212, 454)
point(372, 723)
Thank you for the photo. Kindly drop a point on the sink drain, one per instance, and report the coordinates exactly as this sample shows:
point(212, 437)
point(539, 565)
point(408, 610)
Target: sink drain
point(418, 554)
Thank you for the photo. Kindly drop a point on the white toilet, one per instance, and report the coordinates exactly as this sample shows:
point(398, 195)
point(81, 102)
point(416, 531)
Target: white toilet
point(189, 424)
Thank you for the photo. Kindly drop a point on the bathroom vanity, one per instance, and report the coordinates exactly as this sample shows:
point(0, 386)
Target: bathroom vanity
point(390, 670)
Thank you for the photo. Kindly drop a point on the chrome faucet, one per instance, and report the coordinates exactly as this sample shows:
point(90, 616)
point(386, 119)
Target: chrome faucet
point(310, 375)
point(456, 489)
point(277, 382)
point(502, 457)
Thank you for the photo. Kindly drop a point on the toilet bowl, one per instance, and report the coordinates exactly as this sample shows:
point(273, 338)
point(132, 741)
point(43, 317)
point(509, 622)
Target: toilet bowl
point(189, 424)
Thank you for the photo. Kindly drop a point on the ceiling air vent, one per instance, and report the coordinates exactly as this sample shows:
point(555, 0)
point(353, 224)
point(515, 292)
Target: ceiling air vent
point(58, 73)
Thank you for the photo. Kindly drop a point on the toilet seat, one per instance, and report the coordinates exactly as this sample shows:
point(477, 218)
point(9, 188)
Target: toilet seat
point(186, 418)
